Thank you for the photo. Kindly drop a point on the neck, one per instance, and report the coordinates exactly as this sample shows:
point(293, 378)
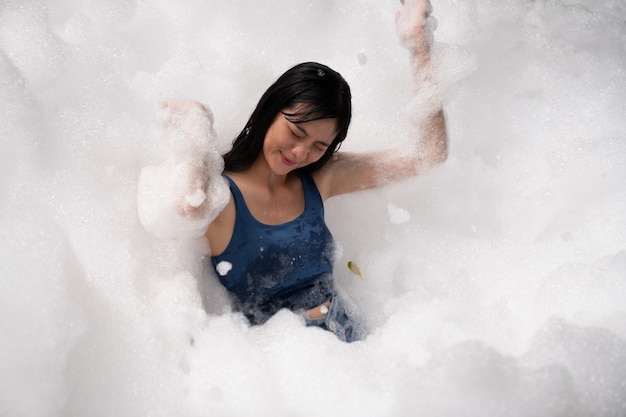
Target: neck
point(263, 175)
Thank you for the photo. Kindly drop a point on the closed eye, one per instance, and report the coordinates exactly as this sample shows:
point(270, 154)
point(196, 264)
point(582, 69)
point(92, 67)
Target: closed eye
point(321, 146)
point(296, 135)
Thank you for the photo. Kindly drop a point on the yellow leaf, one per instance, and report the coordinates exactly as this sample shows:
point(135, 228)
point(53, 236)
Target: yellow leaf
point(355, 269)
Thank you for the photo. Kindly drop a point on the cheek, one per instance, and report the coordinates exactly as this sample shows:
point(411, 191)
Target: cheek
point(271, 141)
point(275, 140)
point(314, 156)
point(266, 144)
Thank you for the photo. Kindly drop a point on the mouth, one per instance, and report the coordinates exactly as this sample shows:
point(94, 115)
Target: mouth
point(287, 161)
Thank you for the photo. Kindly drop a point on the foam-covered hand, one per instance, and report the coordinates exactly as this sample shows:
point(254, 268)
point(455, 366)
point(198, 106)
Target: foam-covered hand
point(181, 196)
point(187, 117)
point(415, 25)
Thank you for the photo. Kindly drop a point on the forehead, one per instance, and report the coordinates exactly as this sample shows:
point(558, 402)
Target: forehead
point(304, 113)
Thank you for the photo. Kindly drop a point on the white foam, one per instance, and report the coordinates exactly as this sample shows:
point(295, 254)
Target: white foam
point(172, 200)
point(398, 215)
point(501, 292)
point(224, 268)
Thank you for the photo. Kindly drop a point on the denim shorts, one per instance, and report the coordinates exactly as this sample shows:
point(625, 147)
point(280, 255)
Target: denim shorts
point(341, 322)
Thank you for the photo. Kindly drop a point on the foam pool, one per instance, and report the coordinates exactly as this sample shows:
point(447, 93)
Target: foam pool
point(494, 285)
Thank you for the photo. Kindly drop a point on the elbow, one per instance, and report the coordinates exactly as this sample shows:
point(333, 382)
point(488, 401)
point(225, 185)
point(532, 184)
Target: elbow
point(438, 154)
point(437, 141)
point(432, 159)
point(436, 159)
point(441, 157)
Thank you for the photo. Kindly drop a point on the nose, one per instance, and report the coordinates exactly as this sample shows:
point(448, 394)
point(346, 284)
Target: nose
point(300, 151)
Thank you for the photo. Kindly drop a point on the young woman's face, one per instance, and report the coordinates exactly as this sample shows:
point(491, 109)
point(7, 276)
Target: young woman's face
point(289, 146)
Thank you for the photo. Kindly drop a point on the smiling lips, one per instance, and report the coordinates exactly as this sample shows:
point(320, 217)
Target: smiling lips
point(287, 161)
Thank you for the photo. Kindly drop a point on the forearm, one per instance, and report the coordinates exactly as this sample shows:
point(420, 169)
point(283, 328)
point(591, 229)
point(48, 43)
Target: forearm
point(183, 194)
point(426, 108)
point(426, 146)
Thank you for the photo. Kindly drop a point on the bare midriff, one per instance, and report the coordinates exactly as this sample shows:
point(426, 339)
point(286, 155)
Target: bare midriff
point(317, 312)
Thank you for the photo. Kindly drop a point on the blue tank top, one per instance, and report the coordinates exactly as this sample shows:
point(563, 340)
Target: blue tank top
point(269, 267)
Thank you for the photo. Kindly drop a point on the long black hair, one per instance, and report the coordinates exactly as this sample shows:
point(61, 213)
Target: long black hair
point(319, 93)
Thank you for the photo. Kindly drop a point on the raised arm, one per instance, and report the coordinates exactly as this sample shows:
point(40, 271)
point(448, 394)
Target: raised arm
point(182, 195)
point(348, 172)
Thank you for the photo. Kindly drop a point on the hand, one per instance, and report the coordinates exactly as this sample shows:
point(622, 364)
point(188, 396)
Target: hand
point(191, 116)
point(195, 151)
point(194, 182)
point(415, 26)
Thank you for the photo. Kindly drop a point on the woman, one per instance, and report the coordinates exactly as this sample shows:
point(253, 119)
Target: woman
point(269, 244)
